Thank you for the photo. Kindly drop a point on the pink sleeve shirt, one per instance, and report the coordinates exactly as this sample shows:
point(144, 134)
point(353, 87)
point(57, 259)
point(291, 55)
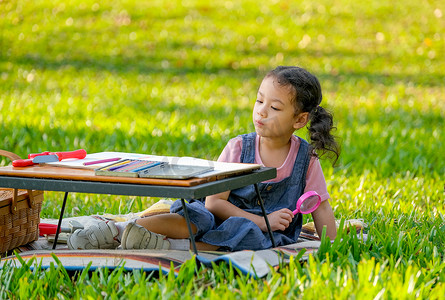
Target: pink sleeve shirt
point(314, 178)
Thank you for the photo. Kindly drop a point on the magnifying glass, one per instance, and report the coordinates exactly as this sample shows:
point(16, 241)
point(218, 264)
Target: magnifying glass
point(307, 203)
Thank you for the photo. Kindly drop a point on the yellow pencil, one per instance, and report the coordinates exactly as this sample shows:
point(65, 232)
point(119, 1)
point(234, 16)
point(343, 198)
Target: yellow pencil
point(119, 163)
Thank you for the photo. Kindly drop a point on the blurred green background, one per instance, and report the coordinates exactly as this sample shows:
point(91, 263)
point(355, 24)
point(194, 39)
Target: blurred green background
point(180, 78)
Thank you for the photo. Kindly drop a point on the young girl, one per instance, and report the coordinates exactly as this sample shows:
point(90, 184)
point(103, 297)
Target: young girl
point(288, 99)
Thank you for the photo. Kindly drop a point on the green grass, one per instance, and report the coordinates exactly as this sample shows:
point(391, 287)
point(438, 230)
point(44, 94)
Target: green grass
point(180, 78)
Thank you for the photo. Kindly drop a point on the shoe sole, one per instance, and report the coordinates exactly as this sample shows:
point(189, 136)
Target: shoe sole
point(151, 241)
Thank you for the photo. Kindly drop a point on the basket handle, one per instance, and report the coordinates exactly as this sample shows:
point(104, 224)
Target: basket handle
point(31, 202)
point(10, 155)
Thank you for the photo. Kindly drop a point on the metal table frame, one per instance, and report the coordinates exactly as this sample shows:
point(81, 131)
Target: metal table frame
point(132, 189)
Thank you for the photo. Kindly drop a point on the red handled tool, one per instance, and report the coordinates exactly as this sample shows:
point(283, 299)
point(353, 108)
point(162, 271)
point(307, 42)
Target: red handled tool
point(32, 155)
point(47, 229)
point(45, 157)
point(27, 162)
point(22, 163)
point(58, 156)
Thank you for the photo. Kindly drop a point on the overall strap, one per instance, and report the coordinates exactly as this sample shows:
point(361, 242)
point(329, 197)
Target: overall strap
point(248, 148)
point(301, 164)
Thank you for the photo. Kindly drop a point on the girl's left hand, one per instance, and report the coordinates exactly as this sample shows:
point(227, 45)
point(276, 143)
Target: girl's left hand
point(279, 220)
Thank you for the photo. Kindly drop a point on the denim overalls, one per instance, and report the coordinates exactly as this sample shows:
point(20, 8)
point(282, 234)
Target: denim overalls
point(237, 233)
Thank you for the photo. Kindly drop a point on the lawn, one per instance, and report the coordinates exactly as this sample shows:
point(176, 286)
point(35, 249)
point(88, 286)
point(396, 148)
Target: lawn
point(180, 78)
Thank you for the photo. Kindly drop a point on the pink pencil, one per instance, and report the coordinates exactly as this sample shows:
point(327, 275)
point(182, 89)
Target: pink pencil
point(95, 162)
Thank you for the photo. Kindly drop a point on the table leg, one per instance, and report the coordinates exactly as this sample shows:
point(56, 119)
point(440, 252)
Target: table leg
point(265, 215)
point(187, 218)
point(59, 225)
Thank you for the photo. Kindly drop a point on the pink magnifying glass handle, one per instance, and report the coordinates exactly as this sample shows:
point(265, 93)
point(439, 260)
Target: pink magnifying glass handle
point(307, 203)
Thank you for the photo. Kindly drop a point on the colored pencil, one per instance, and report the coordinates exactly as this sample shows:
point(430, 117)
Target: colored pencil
point(130, 166)
point(149, 165)
point(101, 161)
point(117, 165)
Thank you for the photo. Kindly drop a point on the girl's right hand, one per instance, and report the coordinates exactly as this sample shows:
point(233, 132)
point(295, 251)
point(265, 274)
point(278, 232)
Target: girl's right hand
point(279, 220)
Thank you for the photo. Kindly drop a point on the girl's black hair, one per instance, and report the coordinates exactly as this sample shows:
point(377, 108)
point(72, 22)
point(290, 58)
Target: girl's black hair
point(307, 98)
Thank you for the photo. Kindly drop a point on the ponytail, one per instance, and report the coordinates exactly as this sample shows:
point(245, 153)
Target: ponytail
point(321, 139)
point(307, 98)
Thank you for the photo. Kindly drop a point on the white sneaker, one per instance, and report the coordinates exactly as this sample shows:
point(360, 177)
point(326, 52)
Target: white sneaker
point(102, 235)
point(137, 237)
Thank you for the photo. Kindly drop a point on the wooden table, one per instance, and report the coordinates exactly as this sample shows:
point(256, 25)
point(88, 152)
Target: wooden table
point(48, 178)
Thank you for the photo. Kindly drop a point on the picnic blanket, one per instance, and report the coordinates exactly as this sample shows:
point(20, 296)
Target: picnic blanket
point(255, 263)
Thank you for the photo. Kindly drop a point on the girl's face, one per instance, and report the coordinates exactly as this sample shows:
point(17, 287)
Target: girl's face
point(274, 114)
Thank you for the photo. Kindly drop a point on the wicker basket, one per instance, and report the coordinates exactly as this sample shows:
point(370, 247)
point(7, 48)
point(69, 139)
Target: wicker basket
point(19, 214)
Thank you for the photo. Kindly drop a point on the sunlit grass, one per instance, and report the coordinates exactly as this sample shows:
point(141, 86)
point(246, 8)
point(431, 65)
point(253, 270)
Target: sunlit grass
point(180, 78)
